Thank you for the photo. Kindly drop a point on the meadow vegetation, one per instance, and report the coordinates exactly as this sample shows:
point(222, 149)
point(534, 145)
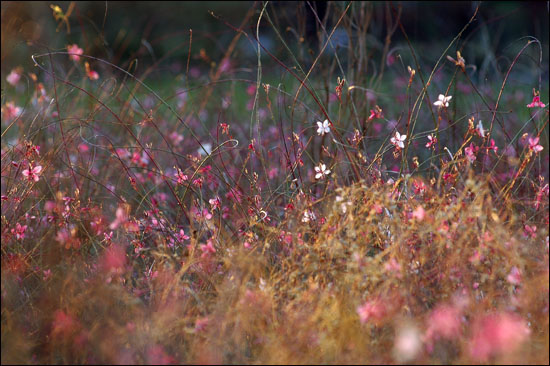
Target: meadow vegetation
point(341, 199)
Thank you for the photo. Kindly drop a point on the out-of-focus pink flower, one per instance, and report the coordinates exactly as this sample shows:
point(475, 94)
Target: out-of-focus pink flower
point(114, 259)
point(514, 277)
point(393, 266)
point(63, 324)
point(14, 76)
point(75, 50)
point(443, 322)
point(10, 111)
point(207, 249)
point(419, 213)
point(201, 324)
point(496, 334)
point(371, 310)
point(157, 356)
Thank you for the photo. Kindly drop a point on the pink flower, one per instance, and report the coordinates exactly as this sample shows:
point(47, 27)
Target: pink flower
point(497, 334)
point(376, 113)
point(201, 324)
point(207, 248)
point(443, 322)
point(19, 231)
point(419, 213)
point(536, 103)
point(32, 173)
point(181, 177)
point(470, 152)
point(75, 50)
point(10, 110)
point(114, 259)
point(14, 76)
point(534, 145)
point(393, 266)
point(432, 141)
point(492, 147)
point(215, 203)
point(63, 324)
point(514, 277)
point(181, 236)
point(373, 309)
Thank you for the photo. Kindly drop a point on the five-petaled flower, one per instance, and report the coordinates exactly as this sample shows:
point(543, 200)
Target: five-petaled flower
point(322, 171)
point(443, 101)
point(323, 127)
point(398, 140)
point(32, 173)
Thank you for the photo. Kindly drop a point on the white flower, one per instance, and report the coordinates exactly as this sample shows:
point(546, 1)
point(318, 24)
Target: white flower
point(398, 139)
point(443, 101)
point(480, 129)
point(206, 148)
point(323, 127)
point(308, 216)
point(322, 171)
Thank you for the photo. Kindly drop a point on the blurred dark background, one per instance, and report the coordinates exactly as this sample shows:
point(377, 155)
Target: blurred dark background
point(118, 31)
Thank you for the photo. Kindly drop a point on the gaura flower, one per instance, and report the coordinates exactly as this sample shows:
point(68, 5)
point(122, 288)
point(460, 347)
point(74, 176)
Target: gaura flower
point(322, 171)
point(534, 145)
point(323, 127)
point(32, 173)
point(398, 139)
point(443, 101)
point(432, 142)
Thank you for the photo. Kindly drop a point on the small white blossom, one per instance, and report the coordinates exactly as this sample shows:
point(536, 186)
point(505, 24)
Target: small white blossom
point(308, 216)
point(323, 127)
point(322, 171)
point(443, 101)
point(480, 129)
point(398, 139)
point(206, 147)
